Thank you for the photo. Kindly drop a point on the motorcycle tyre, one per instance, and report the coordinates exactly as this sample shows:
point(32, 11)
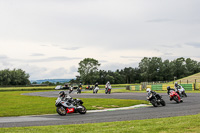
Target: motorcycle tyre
point(154, 103)
point(83, 111)
point(176, 99)
point(162, 102)
point(62, 114)
point(185, 94)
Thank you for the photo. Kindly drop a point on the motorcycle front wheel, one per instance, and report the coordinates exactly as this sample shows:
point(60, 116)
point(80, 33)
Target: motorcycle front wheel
point(83, 110)
point(154, 103)
point(61, 111)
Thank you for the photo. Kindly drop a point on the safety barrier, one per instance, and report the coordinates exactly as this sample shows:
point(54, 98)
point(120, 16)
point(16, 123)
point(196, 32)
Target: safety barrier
point(136, 88)
point(162, 87)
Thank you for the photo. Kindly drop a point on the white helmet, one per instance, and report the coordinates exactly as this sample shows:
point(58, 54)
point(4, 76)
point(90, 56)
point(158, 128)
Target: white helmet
point(148, 89)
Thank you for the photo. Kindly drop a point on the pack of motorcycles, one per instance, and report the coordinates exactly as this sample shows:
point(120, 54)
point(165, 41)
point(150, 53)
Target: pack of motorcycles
point(76, 105)
point(156, 99)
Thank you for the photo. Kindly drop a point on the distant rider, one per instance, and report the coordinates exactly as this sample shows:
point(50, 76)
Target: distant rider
point(96, 85)
point(178, 88)
point(108, 85)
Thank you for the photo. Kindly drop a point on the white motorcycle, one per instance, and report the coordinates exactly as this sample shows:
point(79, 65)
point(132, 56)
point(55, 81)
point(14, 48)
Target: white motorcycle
point(69, 106)
point(95, 90)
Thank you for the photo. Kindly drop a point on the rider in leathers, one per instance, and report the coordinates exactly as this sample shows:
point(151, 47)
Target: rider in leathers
point(65, 97)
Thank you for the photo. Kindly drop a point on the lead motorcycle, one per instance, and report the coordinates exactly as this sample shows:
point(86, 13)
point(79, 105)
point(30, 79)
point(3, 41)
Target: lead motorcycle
point(156, 99)
point(69, 106)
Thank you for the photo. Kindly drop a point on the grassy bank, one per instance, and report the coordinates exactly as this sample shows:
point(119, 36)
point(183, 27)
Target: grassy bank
point(26, 88)
point(183, 124)
point(14, 104)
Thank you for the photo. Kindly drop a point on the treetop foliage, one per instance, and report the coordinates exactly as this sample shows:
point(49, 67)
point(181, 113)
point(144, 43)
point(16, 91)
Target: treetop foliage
point(150, 69)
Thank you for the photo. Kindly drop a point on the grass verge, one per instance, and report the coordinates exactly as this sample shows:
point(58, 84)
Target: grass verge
point(14, 104)
point(183, 124)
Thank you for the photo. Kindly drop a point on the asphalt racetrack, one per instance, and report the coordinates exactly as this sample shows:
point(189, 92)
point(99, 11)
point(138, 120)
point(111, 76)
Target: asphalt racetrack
point(190, 106)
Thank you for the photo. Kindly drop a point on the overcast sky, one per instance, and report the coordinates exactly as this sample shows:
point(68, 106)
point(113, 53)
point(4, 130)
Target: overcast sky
point(48, 38)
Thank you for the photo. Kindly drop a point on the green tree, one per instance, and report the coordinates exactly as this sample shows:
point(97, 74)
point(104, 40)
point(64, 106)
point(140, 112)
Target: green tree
point(88, 70)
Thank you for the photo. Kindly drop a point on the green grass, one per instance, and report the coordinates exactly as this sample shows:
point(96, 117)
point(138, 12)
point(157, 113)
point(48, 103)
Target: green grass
point(183, 124)
point(26, 88)
point(14, 104)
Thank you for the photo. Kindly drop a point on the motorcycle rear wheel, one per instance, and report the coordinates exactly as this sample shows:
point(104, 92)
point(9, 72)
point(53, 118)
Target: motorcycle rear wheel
point(61, 111)
point(176, 99)
point(83, 110)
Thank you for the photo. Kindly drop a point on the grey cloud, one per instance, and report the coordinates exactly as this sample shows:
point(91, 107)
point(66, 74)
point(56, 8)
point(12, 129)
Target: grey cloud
point(50, 59)
point(159, 20)
point(131, 57)
point(3, 57)
point(194, 44)
point(37, 54)
point(71, 48)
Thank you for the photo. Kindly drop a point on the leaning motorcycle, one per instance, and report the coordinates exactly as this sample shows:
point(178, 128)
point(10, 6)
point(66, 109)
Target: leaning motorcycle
point(156, 99)
point(95, 90)
point(181, 92)
point(174, 96)
point(69, 106)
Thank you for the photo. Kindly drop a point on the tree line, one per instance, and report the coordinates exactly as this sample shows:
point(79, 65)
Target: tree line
point(149, 69)
point(14, 77)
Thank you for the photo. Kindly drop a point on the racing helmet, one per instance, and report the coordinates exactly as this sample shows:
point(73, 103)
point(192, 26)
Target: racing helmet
point(148, 90)
point(62, 93)
point(176, 84)
point(168, 87)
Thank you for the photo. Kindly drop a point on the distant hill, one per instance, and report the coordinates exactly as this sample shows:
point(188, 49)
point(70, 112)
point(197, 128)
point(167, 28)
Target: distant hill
point(190, 79)
point(51, 80)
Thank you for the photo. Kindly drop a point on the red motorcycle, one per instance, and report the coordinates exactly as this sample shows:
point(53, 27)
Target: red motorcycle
point(174, 96)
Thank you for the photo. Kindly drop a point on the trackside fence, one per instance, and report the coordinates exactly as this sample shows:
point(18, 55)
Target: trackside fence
point(160, 87)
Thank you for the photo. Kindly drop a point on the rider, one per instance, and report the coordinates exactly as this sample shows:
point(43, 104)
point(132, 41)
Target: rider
point(96, 85)
point(108, 85)
point(65, 97)
point(178, 88)
point(149, 91)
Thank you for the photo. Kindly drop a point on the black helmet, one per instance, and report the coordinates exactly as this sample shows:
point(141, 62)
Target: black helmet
point(62, 93)
point(168, 87)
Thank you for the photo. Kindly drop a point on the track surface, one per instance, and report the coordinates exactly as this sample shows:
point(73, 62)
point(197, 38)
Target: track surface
point(190, 106)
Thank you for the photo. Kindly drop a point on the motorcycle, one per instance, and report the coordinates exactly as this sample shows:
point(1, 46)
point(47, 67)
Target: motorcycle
point(174, 96)
point(79, 90)
point(156, 99)
point(69, 106)
point(95, 90)
point(108, 90)
point(181, 92)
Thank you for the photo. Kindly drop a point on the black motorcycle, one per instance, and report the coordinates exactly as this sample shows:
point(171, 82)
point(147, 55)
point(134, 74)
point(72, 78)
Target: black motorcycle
point(156, 99)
